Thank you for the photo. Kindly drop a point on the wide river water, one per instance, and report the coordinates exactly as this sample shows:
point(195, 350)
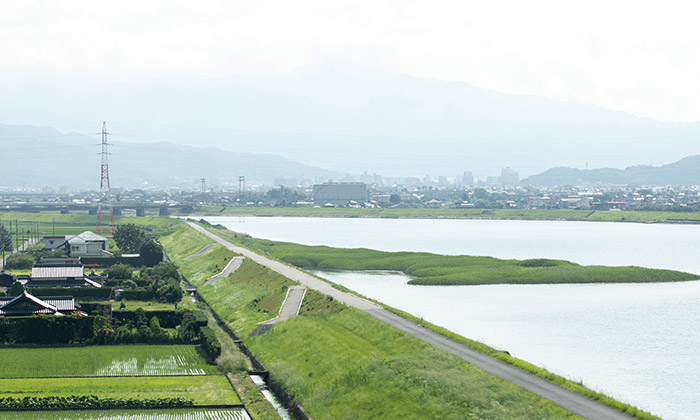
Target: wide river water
point(639, 343)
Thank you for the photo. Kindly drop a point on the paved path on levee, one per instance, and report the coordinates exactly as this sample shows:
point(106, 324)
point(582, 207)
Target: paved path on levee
point(204, 249)
point(564, 398)
point(290, 307)
point(228, 270)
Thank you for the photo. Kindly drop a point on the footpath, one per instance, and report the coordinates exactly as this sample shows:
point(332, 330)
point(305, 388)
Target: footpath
point(564, 398)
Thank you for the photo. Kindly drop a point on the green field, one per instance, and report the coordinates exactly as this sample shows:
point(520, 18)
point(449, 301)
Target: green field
point(103, 361)
point(71, 224)
point(446, 213)
point(434, 269)
point(204, 390)
point(171, 414)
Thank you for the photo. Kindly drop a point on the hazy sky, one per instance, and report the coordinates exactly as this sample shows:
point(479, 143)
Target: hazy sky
point(638, 56)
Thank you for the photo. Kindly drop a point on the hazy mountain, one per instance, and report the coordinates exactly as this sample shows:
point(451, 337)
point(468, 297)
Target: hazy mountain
point(354, 119)
point(684, 172)
point(43, 157)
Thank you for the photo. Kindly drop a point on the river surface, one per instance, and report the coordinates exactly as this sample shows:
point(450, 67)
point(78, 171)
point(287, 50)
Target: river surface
point(639, 343)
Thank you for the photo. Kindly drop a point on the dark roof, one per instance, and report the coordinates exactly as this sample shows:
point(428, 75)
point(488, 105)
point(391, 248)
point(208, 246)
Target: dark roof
point(27, 304)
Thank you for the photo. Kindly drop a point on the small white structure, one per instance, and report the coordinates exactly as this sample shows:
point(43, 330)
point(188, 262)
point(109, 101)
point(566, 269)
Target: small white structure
point(87, 244)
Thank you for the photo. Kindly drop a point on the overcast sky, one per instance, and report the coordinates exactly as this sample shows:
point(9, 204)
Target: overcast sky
point(637, 56)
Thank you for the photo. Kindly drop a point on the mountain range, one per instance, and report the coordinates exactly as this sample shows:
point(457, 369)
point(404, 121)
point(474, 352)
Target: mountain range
point(37, 157)
point(354, 119)
point(685, 172)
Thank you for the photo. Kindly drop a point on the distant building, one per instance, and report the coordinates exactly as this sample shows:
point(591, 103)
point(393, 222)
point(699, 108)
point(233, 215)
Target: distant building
point(467, 179)
point(341, 193)
point(509, 178)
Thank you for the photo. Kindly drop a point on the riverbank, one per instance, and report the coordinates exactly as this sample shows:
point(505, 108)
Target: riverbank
point(445, 213)
point(569, 385)
point(434, 269)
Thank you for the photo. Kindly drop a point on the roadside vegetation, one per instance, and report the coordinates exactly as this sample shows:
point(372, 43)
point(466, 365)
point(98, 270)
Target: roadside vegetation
point(134, 414)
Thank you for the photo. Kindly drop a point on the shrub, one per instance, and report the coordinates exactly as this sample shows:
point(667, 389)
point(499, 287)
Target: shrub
point(539, 262)
point(209, 342)
point(120, 271)
point(19, 261)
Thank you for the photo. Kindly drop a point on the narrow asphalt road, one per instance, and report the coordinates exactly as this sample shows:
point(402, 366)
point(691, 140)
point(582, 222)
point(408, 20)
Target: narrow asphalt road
point(564, 398)
point(204, 249)
point(227, 271)
point(26, 244)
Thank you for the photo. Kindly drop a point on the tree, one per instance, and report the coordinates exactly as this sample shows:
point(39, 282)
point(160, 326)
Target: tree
point(151, 253)
point(394, 199)
point(120, 271)
point(5, 239)
point(17, 289)
point(19, 261)
point(129, 238)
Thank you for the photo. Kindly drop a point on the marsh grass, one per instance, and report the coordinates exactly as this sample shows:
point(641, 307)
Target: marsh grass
point(434, 269)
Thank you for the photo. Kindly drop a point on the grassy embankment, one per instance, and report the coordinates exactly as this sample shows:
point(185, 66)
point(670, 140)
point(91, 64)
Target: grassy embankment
point(445, 213)
point(341, 363)
point(434, 269)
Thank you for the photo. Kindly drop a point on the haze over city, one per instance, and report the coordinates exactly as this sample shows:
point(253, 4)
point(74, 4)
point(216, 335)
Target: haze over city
point(386, 87)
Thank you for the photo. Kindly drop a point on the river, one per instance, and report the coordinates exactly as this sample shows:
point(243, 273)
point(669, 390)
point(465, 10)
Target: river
point(635, 342)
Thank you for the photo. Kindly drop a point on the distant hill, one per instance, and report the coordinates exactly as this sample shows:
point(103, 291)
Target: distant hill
point(39, 157)
point(353, 119)
point(685, 172)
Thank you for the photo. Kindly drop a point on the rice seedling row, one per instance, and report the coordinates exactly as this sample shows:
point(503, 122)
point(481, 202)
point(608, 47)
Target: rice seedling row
point(169, 414)
point(171, 360)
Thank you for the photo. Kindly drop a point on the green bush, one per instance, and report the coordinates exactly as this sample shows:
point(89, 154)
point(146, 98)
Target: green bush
point(119, 271)
point(209, 342)
point(19, 261)
point(47, 329)
point(90, 401)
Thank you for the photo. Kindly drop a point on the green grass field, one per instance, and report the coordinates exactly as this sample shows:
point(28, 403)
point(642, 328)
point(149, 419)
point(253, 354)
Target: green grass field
point(204, 390)
point(103, 361)
point(445, 213)
point(170, 414)
point(434, 269)
point(71, 224)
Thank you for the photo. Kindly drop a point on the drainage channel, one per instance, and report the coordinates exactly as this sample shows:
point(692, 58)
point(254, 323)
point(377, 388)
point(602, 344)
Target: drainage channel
point(260, 382)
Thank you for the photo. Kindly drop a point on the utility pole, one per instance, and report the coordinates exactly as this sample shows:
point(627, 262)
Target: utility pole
point(105, 188)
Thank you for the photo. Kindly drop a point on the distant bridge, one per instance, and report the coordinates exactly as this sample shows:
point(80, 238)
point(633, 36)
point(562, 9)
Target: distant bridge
point(65, 208)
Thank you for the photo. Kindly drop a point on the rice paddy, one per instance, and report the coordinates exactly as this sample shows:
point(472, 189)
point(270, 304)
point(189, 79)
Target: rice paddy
point(170, 360)
point(203, 390)
point(170, 414)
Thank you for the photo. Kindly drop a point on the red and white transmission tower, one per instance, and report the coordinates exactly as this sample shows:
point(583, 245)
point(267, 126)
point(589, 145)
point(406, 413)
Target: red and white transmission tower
point(105, 189)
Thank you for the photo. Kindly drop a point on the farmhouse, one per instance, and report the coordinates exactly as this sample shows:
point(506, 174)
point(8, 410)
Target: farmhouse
point(60, 272)
point(27, 304)
point(87, 244)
